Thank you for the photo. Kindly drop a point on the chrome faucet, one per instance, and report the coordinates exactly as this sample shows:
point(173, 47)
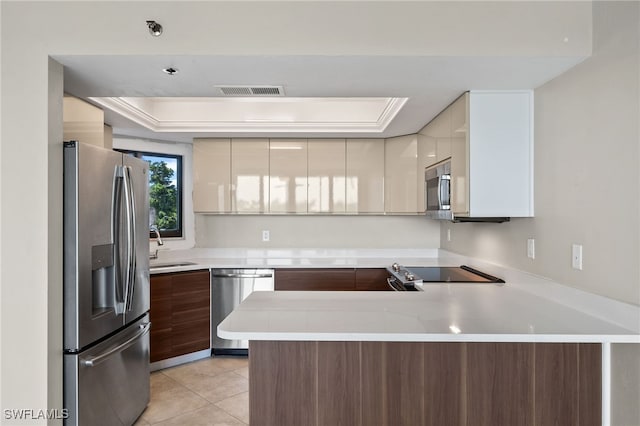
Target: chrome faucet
point(155, 230)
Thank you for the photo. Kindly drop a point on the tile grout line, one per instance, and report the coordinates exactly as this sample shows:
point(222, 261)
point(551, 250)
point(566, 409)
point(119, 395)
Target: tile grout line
point(185, 385)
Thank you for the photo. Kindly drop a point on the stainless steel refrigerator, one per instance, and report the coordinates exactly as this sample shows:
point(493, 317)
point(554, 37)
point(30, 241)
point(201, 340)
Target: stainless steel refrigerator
point(106, 286)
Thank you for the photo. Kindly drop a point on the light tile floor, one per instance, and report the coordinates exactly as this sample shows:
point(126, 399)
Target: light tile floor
point(211, 391)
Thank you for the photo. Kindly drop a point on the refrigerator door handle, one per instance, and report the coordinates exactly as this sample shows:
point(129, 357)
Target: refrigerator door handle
point(131, 238)
point(126, 179)
point(95, 360)
point(116, 217)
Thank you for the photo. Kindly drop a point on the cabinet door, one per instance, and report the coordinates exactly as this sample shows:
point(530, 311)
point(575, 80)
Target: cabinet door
point(180, 313)
point(400, 180)
point(427, 146)
point(211, 175)
point(365, 175)
point(326, 176)
point(460, 156)
point(191, 312)
point(315, 279)
point(250, 175)
point(160, 343)
point(426, 158)
point(500, 372)
point(442, 134)
point(288, 180)
point(459, 112)
point(372, 279)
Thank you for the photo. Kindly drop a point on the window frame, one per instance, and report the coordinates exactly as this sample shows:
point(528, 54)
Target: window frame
point(177, 233)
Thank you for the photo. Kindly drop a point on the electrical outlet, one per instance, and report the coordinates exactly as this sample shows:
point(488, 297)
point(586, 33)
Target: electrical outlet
point(448, 234)
point(265, 236)
point(531, 248)
point(576, 256)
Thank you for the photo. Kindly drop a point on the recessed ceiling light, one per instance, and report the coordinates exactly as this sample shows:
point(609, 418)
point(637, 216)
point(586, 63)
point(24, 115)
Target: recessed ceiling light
point(171, 70)
point(155, 29)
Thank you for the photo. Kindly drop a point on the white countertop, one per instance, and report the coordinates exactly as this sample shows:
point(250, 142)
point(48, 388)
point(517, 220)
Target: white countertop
point(527, 308)
point(443, 313)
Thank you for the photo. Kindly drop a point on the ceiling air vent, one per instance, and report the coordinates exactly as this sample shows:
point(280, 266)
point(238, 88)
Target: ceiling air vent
point(251, 90)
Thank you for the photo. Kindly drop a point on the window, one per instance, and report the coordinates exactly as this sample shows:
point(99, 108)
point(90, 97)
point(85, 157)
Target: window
point(165, 191)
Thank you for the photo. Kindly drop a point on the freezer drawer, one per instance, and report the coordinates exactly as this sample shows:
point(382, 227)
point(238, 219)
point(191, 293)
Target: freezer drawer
point(108, 384)
point(229, 287)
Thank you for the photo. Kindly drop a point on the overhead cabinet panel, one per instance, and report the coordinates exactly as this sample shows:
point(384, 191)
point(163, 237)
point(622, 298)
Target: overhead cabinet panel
point(212, 175)
point(326, 176)
point(365, 175)
point(400, 180)
point(288, 175)
point(460, 156)
point(250, 175)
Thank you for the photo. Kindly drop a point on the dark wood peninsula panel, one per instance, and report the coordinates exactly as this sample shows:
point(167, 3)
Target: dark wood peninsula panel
point(415, 383)
point(331, 279)
point(180, 314)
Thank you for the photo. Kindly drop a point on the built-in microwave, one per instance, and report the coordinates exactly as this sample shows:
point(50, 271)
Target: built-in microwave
point(437, 187)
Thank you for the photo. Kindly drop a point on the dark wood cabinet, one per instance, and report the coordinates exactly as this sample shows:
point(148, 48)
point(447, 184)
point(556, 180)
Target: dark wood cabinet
point(330, 279)
point(424, 383)
point(180, 314)
point(500, 384)
point(315, 279)
point(160, 317)
point(372, 279)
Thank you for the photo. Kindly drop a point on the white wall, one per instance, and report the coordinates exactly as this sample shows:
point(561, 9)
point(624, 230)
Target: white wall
point(586, 171)
point(53, 289)
point(587, 186)
point(317, 231)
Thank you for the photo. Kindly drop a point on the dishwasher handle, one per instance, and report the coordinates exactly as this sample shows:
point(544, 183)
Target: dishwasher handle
point(217, 275)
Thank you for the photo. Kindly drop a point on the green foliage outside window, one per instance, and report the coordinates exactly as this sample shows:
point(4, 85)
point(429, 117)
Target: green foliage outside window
point(162, 196)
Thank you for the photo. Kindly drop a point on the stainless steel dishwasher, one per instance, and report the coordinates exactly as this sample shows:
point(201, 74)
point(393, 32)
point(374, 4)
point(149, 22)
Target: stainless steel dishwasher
point(229, 287)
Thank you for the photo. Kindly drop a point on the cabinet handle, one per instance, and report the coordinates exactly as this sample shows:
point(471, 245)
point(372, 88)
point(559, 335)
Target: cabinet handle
point(242, 275)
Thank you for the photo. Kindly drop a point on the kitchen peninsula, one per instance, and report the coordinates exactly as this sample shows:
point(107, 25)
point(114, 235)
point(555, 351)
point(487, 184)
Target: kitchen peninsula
point(517, 354)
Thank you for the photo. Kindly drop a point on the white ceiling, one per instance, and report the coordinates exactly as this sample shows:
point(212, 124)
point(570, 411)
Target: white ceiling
point(429, 82)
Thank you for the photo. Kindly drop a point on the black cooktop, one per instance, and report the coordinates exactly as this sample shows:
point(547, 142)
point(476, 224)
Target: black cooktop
point(407, 277)
point(462, 274)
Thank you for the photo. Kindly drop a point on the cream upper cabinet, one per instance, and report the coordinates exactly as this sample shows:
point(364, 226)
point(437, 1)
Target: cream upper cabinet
point(459, 156)
point(211, 175)
point(400, 179)
point(365, 175)
point(326, 176)
point(250, 175)
point(288, 175)
point(434, 145)
point(426, 158)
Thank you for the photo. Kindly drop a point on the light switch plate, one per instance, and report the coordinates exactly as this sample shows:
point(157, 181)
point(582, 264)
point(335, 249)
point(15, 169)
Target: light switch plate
point(576, 256)
point(265, 236)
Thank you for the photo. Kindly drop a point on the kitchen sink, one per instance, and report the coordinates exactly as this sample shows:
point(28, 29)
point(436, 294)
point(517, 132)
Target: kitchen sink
point(163, 265)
